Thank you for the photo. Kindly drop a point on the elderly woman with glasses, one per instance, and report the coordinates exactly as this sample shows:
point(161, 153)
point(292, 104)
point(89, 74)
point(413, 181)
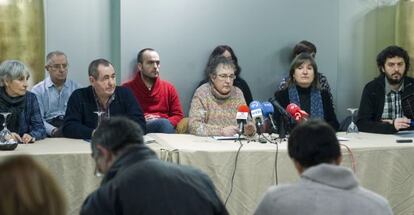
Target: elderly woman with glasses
point(25, 120)
point(214, 105)
point(227, 51)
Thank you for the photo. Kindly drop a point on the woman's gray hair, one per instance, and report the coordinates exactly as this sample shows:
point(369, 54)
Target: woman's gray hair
point(12, 70)
point(214, 62)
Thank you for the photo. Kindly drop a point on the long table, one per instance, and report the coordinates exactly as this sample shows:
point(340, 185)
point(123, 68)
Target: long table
point(382, 165)
point(70, 162)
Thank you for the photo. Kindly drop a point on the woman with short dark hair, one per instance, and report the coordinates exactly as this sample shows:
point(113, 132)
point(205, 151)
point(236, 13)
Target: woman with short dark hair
point(303, 89)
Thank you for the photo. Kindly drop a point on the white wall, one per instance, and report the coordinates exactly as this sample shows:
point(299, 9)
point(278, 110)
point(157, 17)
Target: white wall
point(81, 29)
point(348, 34)
point(261, 32)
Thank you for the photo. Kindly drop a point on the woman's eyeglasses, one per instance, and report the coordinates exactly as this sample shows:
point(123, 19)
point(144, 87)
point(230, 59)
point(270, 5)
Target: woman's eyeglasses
point(224, 77)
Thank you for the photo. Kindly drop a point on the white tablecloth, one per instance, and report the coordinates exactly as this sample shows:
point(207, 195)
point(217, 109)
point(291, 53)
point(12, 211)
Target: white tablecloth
point(382, 165)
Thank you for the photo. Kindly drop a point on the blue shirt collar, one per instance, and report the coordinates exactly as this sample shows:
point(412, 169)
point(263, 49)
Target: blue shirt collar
point(49, 83)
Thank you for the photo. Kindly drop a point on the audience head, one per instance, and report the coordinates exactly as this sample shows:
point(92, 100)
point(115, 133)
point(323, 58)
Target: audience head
point(313, 142)
point(111, 138)
point(221, 73)
point(225, 51)
point(57, 66)
point(394, 62)
point(13, 77)
point(304, 46)
point(28, 189)
point(102, 77)
point(148, 63)
point(304, 71)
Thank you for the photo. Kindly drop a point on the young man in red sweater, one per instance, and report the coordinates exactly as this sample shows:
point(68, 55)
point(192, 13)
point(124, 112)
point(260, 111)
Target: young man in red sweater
point(158, 98)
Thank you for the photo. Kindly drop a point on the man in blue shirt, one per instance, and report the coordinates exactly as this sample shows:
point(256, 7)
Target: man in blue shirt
point(53, 92)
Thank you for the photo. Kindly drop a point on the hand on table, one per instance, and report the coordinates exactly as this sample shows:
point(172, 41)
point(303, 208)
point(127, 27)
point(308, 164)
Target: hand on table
point(229, 131)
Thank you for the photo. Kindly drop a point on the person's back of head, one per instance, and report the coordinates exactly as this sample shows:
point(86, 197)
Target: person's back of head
point(304, 46)
point(313, 142)
point(117, 133)
point(27, 188)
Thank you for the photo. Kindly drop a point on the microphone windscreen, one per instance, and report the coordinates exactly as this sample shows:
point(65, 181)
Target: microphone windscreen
point(256, 109)
point(243, 108)
point(242, 113)
point(267, 109)
point(292, 108)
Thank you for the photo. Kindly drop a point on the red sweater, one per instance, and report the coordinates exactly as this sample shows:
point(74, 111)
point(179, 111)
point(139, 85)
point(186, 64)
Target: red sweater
point(161, 100)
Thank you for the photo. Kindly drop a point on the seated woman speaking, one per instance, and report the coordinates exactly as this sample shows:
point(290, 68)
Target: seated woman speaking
point(214, 105)
point(25, 120)
point(303, 90)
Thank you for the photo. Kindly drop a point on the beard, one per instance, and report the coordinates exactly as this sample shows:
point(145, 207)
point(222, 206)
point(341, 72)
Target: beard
point(150, 75)
point(393, 81)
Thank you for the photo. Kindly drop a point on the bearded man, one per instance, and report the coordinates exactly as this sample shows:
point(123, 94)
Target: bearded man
point(380, 110)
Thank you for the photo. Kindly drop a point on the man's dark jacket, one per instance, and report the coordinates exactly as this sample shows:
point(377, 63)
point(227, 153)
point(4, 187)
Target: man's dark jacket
point(80, 119)
point(139, 183)
point(372, 106)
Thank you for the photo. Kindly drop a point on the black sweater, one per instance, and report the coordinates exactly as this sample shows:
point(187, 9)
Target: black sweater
point(80, 120)
point(282, 96)
point(139, 183)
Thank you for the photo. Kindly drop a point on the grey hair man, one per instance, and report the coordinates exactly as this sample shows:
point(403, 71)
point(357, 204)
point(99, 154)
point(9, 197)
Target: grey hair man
point(137, 182)
point(54, 91)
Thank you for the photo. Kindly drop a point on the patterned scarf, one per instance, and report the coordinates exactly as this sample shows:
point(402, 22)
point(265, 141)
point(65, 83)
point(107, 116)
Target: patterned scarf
point(316, 106)
point(13, 105)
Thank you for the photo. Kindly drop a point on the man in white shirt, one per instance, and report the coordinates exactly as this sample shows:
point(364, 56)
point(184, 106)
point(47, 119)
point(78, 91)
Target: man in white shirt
point(53, 93)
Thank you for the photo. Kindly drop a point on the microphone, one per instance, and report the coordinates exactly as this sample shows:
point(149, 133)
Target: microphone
point(241, 117)
point(284, 120)
point(268, 111)
point(279, 107)
point(257, 115)
point(296, 113)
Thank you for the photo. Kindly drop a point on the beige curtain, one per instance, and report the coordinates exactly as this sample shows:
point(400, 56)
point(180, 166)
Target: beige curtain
point(22, 34)
point(404, 32)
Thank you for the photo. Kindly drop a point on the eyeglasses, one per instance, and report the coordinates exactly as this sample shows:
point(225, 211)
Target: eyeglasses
point(224, 77)
point(96, 171)
point(59, 66)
